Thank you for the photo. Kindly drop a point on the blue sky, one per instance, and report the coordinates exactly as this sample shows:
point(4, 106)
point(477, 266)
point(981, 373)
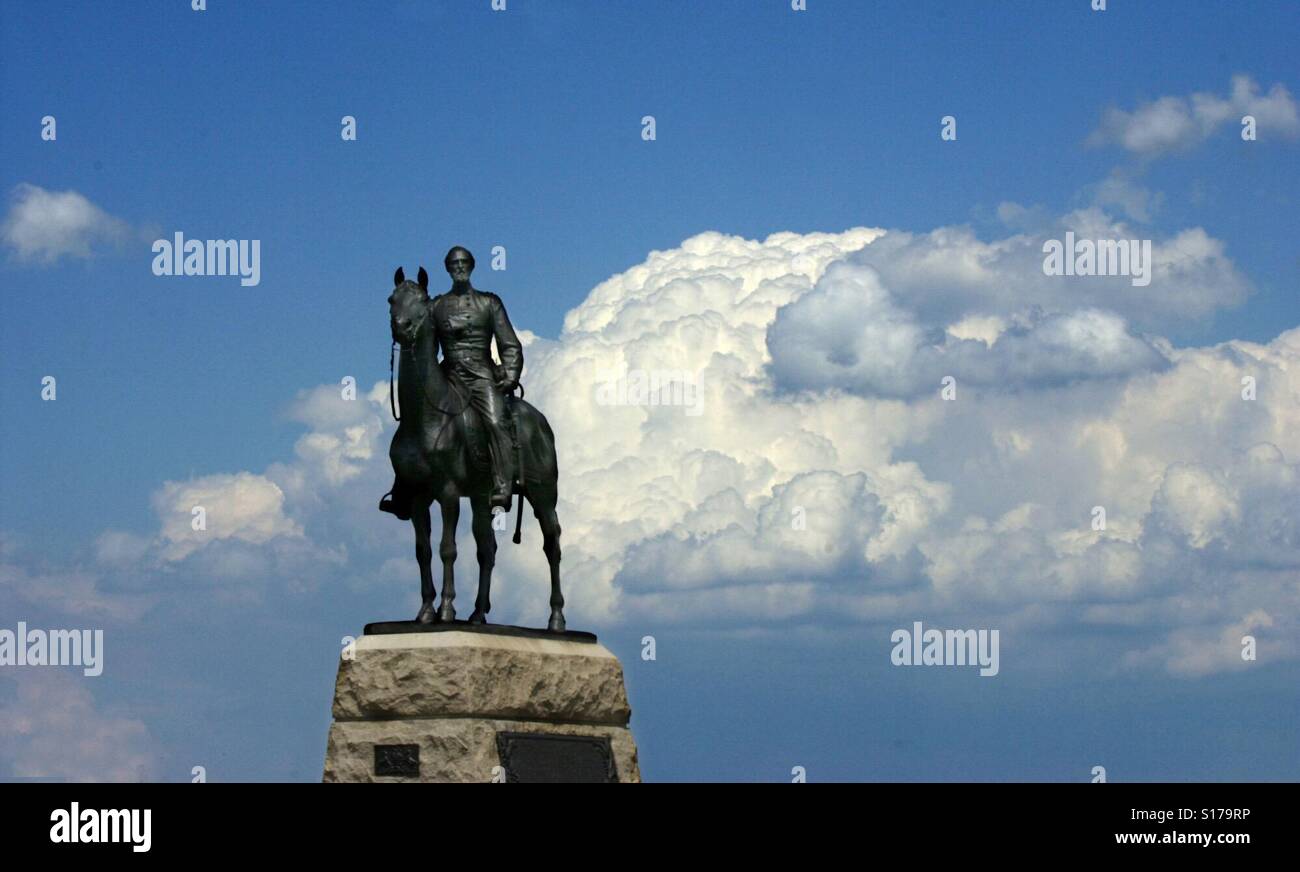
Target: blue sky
point(522, 129)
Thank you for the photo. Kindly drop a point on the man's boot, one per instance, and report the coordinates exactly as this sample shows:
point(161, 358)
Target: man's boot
point(396, 504)
point(500, 451)
point(499, 500)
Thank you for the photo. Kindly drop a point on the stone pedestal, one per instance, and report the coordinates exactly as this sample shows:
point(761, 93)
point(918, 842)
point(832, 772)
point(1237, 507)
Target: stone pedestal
point(474, 706)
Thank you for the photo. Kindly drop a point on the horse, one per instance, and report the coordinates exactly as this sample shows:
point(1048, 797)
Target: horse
point(435, 459)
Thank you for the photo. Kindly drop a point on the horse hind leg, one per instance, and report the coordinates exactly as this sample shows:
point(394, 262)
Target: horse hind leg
point(485, 540)
point(544, 511)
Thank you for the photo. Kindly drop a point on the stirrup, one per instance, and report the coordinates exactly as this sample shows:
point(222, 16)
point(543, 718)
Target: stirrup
point(388, 504)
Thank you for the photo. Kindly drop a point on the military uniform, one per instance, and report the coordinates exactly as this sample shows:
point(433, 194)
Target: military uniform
point(466, 322)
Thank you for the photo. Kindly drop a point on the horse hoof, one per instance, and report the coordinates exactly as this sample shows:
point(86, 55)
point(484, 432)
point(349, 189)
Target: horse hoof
point(447, 614)
point(556, 624)
point(427, 615)
point(478, 617)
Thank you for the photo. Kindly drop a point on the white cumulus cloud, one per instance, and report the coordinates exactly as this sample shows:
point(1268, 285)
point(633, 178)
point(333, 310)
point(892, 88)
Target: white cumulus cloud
point(822, 477)
point(243, 507)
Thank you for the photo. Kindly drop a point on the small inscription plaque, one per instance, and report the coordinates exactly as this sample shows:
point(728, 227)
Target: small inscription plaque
point(400, 760)
point(548, 758)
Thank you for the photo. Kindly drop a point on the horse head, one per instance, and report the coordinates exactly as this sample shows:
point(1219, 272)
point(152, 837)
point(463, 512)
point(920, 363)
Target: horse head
point(408, 307)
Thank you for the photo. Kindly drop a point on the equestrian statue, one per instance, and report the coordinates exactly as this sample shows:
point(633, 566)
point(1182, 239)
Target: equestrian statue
point(463, 433)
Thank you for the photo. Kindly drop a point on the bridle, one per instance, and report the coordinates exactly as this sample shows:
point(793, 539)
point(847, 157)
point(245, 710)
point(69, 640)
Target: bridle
point(424, 387)
point(392, 351)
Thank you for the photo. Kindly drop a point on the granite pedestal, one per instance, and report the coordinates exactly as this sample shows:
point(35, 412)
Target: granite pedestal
point(456, 705)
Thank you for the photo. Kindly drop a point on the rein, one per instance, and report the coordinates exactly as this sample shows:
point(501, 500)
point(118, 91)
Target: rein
point(424, 392)
point(392, 405)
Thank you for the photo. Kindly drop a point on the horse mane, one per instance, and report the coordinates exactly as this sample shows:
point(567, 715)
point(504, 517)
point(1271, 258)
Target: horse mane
point(454, 402)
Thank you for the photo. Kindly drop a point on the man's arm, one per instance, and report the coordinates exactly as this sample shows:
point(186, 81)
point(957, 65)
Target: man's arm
point(508, 345)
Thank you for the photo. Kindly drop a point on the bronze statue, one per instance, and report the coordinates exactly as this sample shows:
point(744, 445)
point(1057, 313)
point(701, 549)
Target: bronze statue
point(461, 428)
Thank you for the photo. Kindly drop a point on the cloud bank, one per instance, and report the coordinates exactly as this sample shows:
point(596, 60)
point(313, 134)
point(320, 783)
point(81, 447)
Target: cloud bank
point(54, 730)
point(827, 479)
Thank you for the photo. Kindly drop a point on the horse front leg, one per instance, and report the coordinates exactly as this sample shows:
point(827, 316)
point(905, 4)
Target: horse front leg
point(424, 556)
point(485, 540)
point(447, 551)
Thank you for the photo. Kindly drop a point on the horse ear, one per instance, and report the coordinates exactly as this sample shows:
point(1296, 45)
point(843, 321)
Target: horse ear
point(423, 279)
point(398, 277)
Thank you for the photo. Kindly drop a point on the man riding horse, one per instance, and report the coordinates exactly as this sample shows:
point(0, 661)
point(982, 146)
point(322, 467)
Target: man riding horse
point(466, 320)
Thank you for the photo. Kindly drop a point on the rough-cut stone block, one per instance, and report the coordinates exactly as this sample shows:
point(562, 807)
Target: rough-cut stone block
point(454, 749)
point(451, 693)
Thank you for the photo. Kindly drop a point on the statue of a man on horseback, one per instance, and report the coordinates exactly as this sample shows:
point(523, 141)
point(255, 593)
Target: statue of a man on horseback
point(465, 321)
point(460, 433)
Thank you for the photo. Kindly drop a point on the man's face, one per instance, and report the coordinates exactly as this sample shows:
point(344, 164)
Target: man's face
point(459, 267)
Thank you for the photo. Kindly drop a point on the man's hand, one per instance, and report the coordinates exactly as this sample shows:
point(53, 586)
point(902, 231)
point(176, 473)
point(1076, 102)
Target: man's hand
point(506, 384)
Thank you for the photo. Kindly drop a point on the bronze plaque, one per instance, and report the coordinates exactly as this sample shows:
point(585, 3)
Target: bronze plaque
point(399, 760)
point(549, 758)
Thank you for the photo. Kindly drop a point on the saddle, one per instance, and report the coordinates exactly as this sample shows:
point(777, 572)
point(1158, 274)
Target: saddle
point(476, 434)
point(480, 459)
